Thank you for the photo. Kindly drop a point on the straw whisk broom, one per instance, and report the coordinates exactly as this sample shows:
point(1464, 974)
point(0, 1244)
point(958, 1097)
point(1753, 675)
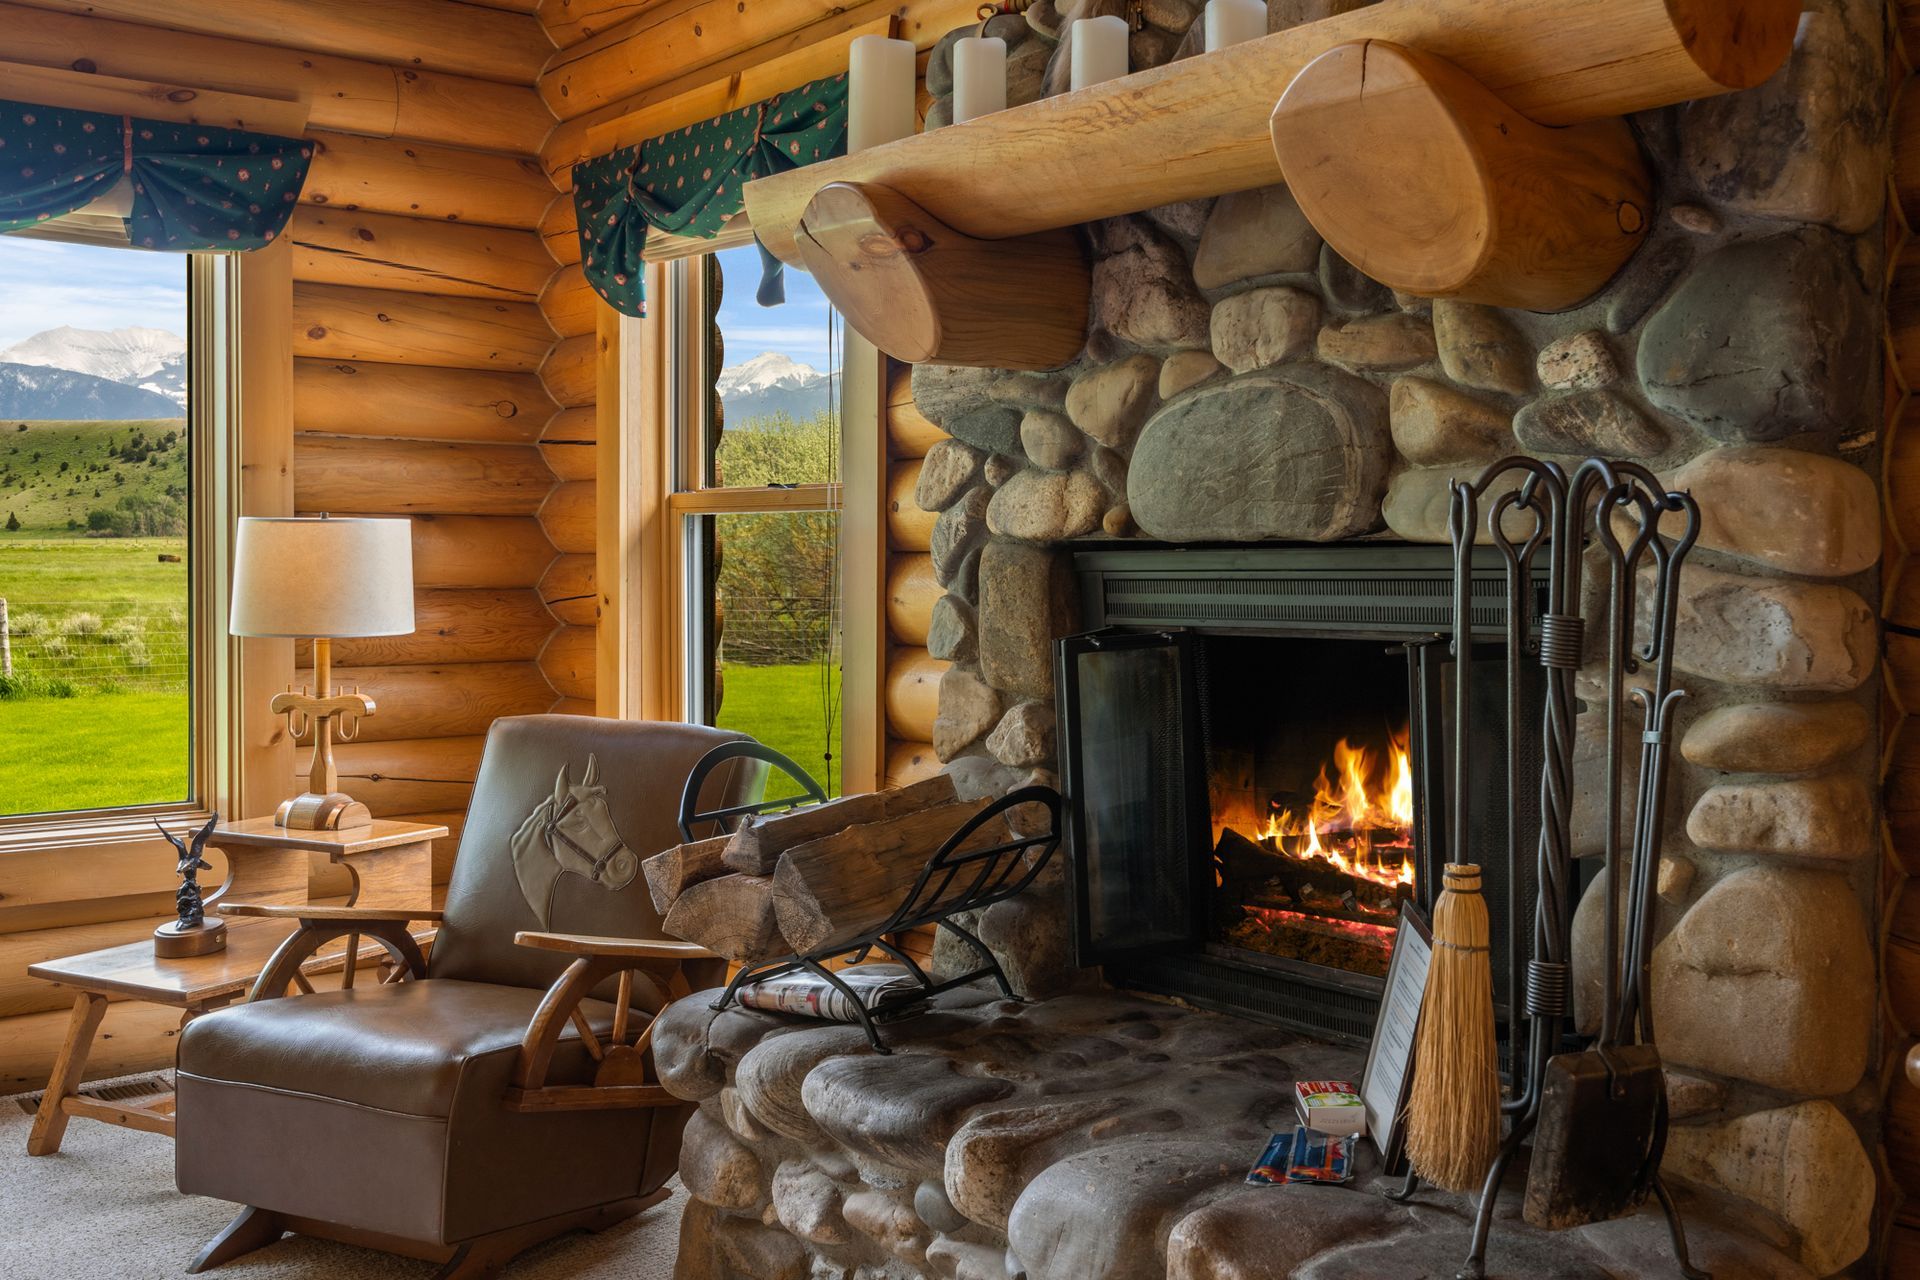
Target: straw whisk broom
point(1453, 1108)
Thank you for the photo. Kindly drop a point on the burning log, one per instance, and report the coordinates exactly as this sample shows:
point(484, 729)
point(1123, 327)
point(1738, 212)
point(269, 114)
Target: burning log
point(1309, 883)
point(756, 847)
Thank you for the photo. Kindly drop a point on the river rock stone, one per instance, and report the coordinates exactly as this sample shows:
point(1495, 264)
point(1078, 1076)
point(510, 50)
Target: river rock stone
point(950, 468)
point(740, 1121)
point(1300, 453)
point(1480, 348)
point(1109, 467)
point(1793, 511)
point(1418, 503)
point(1118, 521)
point(1046, 506)
point(1050, 440)
point(769, 1076)
point(1254, 1235)
point(931, 1203)
point(944, 392)
point(995, 1154)
point(1577, 362)
point(1254, 233)
point(1348, 288)
point(1393, 340)
point(1026, 599)
point(1764, 339)
point(899, 1110)
point(752, 1251)
point(888, 1219)
point(1145, 1186)
point(808, 1203)
point(1143, 294)
point(1435, 425)
point(1184, 220)
point(959, 530)
point(694, 1046)
point(717, 1167)
point(939, 78)
point(969, 707)
point(950, 635)
point(1784, 635)
point(1024, 736)
point(1829, 818)
point(1111, 403)
point(1769, 978)
point(1263, 326)
point(1675, 878)
point(991, 429)
point(1775, 737)
point(1027, 69)
point(1804, 1164)
point(1808, 145)
point(1587, 422)
point(1184, 369)
point(1634, 293)
point(1690, 1095)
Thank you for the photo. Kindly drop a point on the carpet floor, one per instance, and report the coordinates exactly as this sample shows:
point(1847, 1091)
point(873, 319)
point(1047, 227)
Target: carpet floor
point(104, 1208)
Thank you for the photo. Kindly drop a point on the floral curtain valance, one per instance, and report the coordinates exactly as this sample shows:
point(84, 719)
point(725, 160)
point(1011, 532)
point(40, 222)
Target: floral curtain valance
point(689, 182)
point(195, 187)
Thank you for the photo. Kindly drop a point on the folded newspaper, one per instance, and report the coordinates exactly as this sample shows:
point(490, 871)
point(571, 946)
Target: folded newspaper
point(882, 989)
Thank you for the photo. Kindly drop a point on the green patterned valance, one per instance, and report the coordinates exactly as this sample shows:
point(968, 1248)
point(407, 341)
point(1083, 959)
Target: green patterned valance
point(195, 187)
point(689, 182)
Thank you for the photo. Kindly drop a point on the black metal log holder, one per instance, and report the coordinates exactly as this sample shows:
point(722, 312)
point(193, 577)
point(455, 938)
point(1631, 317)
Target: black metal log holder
point(1559, 520)
point(956, 879)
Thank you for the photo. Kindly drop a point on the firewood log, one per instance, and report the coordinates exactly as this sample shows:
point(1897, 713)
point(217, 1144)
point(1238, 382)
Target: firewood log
point(756, 847)
point(732, 916)
point(833, 890)
point(672, 872)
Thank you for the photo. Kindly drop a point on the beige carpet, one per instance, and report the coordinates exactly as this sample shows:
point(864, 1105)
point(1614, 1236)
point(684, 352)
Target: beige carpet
point(105, 1208)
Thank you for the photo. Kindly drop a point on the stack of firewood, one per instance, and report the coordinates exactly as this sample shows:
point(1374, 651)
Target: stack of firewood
point(802, 881)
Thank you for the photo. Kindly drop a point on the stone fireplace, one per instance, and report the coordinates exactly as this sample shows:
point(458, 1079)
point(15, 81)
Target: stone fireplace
point(1245, 392)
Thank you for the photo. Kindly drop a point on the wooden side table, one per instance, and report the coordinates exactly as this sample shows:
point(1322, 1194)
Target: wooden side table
point(391, 866)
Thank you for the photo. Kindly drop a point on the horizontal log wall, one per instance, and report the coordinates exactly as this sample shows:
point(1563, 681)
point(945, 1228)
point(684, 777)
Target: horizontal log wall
point(911, 679)
point(419, 343)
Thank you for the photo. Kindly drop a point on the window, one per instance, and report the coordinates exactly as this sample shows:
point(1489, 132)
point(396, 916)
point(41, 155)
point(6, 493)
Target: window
point(756, 502)
point(97, 558)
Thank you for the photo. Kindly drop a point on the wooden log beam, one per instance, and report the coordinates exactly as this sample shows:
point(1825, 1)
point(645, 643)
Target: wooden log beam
point(568, 590)
point(570, 443)
point(731, 916)
point(444, 700)
point(925, 293)
point(1198, 127)
point(434, 35)
point(912, 693)
point(570, 517)
point(399, 477)
point(568, 22)
point(911, 590)
point(909, 528)
point(560, 228)
point(371, 398)
point(672, 872)
point(478, 551)
point(417, 255)
point(453, 624)
point(568, 301)
point(1427, 182)
point(151, 99)
point(910, 762)
point(406, 775)
point(910, 434)
point(568, 661)
point(755, 847)
point(571, 371)
point(384, 175)
point(349, 95)
point(334, 322)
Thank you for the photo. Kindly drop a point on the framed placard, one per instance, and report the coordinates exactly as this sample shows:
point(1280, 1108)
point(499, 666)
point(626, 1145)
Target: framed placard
point(1389, 1072)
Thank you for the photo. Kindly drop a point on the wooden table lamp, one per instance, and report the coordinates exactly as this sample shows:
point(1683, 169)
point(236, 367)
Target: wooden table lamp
point(314, 576)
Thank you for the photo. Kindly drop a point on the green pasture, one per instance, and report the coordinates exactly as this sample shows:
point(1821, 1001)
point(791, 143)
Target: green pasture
point(783, 708)
point(53, 474)
point(93, 751)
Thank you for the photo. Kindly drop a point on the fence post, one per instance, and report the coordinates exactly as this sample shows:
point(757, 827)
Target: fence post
point(6, 641)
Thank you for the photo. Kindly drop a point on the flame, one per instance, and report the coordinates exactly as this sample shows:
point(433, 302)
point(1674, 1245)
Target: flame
point(1363, 800)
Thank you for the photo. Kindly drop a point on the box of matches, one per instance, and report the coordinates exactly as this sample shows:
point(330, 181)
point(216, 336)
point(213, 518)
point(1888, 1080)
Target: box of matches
point(1331, 1106)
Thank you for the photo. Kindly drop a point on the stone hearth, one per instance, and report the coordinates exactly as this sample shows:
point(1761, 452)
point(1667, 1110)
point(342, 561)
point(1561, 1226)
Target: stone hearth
point(1096, 1135)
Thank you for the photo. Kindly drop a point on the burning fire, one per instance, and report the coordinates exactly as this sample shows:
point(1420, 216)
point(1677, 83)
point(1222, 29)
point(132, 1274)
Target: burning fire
point(1365, 811)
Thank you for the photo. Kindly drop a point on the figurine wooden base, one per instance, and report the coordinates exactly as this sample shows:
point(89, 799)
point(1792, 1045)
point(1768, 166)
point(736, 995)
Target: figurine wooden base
point(334, 811)
point(172, 941)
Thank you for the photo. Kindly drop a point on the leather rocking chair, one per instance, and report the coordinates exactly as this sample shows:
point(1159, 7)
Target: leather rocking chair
point(501, 1093)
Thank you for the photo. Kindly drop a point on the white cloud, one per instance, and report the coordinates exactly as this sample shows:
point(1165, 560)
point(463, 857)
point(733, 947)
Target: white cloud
point(45, 284)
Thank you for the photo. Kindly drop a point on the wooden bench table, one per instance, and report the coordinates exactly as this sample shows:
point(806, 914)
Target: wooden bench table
point(391, 867)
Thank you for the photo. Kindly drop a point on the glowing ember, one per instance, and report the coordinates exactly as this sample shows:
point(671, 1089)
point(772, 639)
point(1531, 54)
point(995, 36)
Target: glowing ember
point(1360, 820)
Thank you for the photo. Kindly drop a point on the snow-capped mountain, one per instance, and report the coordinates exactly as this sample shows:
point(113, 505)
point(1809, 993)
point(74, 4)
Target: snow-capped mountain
point(150, 359)
point(39, 393)
point(771, 383)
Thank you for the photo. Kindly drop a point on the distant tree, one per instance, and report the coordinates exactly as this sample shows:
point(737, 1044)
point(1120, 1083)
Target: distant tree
point(63, 467)
point(13, 521)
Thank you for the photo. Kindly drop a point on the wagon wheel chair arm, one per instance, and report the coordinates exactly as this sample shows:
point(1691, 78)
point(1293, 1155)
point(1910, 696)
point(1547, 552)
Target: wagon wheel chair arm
point(322, 925)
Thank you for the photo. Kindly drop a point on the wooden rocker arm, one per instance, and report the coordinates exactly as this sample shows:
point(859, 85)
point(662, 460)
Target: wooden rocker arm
point(621, 1077)
point(286, 966)
point(396, 915)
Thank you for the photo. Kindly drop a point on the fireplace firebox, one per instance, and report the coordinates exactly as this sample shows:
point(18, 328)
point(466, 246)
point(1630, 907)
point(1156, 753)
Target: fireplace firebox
point(1256, 748)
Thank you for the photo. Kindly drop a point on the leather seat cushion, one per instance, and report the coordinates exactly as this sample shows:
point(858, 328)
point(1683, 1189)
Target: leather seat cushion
point(400, 1047)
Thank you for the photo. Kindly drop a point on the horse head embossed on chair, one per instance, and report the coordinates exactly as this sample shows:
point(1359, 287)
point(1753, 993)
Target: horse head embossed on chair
point(503, 1091)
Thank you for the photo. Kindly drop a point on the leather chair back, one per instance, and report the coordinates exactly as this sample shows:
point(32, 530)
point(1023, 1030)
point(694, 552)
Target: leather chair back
point(643, 767)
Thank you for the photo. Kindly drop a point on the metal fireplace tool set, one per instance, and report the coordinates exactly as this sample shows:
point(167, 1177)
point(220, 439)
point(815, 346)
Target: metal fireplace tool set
point(1597, 1116)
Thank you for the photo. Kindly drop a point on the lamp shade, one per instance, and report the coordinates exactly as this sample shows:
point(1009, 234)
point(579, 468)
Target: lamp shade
point(316, 576)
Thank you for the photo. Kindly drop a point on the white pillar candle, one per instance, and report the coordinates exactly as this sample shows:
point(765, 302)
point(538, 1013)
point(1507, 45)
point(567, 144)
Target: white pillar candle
point(880, 95)
point(1099, 50)
point(979, 77)
point(1232, 21)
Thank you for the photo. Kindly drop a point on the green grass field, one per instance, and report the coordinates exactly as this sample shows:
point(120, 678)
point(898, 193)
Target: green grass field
point(92, 752)
point(782, 707)
point(100, 469)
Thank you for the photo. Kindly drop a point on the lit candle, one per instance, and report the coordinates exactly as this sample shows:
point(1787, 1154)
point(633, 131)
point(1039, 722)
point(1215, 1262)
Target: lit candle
point(979, 77)
point(1231, 21)
point(880, 95)
point(1099, 50)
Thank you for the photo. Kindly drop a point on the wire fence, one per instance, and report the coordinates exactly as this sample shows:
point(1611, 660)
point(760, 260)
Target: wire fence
point(78, 646)
point(775, 630)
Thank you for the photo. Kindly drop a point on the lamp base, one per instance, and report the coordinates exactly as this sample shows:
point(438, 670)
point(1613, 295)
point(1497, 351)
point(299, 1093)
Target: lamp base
point(333, 811)
point(172, 942)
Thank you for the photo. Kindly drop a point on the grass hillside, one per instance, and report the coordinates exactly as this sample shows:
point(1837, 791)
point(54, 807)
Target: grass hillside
point(54, 475)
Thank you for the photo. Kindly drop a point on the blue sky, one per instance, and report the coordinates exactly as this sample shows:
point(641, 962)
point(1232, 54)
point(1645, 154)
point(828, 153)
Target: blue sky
point(797, 330)
point(45, 284)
